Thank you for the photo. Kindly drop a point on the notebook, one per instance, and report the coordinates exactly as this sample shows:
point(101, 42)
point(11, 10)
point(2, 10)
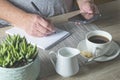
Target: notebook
point(43, 42)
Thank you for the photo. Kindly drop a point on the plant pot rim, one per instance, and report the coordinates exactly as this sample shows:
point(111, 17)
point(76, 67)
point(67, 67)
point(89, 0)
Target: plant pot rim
point(22, 67)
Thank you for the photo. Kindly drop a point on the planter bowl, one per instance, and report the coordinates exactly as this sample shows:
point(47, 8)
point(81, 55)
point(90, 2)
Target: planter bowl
point(27, 72)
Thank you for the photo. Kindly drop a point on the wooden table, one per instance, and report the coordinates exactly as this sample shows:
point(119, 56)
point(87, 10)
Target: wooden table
point(109, 70)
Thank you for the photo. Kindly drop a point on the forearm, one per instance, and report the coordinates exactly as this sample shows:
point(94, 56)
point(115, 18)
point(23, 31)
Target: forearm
point(10, 13)
point(32, 24)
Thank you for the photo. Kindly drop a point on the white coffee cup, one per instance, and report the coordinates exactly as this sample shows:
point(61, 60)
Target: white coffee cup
point(98, 42)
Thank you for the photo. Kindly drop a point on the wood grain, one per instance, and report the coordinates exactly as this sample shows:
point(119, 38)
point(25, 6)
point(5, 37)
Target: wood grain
point(110, 21)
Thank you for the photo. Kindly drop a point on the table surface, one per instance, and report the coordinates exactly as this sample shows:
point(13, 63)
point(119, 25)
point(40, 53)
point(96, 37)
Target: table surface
point(110, 70)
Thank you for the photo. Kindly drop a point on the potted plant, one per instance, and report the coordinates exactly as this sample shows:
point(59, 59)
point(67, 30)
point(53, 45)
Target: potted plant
point(18, 59)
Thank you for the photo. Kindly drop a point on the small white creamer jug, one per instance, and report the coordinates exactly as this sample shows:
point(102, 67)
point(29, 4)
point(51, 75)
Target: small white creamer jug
point(66, 63)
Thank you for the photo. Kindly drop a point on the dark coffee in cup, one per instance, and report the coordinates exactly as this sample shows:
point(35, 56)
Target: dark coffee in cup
point(98, 42)
point(98, 39)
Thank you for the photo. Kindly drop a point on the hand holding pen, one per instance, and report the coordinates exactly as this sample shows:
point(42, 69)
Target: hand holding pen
point(37, 26)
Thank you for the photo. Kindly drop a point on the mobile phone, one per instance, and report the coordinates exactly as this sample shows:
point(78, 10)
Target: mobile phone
point(79, 18)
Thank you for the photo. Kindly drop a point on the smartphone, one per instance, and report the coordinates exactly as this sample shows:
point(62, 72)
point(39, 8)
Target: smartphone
point(79, 18)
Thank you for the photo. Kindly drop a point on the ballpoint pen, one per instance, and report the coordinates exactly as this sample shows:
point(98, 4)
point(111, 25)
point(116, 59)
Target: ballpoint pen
point(36, 8)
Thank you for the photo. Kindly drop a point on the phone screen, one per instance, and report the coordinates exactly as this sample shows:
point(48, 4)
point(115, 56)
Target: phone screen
point(81, 19)
point(77, 18)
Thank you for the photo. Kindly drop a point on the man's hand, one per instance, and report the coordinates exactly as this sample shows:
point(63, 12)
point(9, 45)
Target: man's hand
point(87, 8)
point(35, 25)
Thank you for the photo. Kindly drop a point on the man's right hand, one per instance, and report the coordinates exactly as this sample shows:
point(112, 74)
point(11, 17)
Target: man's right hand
point(35, 25)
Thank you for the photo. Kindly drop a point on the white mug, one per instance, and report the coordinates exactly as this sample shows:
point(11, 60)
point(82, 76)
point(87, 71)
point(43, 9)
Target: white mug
point(98, 42)
point(66, 63)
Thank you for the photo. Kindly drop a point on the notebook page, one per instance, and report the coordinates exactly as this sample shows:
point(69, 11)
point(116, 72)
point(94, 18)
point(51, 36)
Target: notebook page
point(43, 42)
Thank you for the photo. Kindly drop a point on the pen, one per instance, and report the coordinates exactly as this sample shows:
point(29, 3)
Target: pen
point(36, 8)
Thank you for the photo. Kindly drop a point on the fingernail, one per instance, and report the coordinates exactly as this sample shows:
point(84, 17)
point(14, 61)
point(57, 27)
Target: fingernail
point(53, 31)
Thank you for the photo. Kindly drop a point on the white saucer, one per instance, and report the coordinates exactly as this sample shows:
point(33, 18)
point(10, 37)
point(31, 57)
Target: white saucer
point(82, 46)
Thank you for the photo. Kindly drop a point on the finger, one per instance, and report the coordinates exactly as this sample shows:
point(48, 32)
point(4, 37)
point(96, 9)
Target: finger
point(53, 29)
point(46, 24)
point(52, 26)
point(82, 11)
point(88, 8)
point(86, 11)
point(87, 15)
point(42, 29)
point(94, 8)
point(36, 33)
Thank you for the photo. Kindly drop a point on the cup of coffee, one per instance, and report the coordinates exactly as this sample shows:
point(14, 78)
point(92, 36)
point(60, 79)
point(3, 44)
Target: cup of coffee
point(98, 42)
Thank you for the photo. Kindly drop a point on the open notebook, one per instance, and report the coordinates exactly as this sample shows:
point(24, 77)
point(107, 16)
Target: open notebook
point(44, 42)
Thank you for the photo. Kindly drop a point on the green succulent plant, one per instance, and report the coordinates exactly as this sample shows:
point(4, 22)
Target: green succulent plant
point(15, 51)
